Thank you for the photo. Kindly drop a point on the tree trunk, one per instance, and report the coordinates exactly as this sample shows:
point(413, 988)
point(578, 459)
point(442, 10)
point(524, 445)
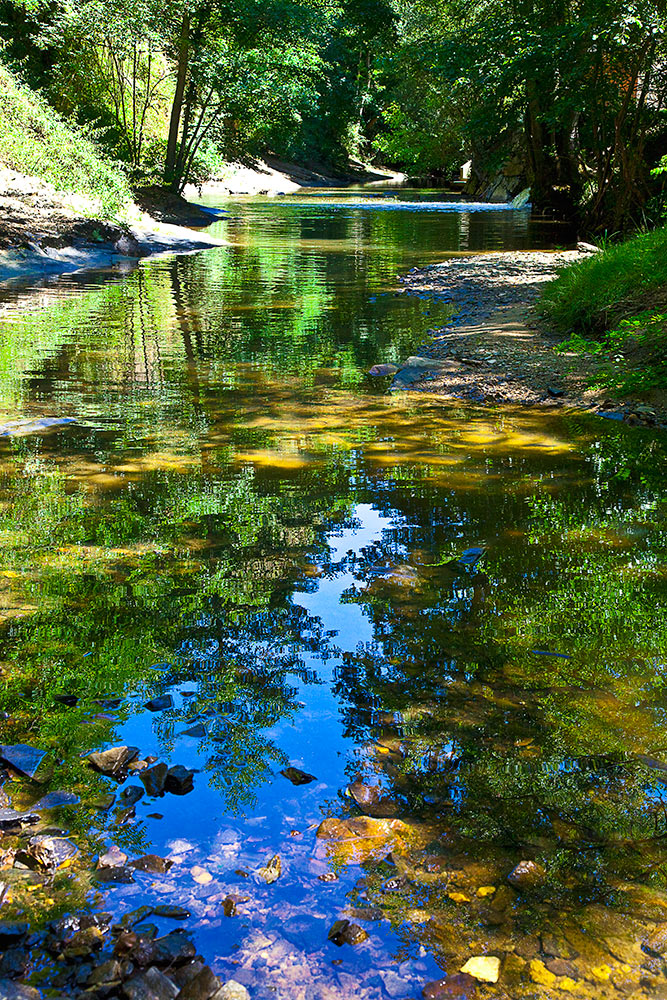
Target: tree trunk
point(177, 105)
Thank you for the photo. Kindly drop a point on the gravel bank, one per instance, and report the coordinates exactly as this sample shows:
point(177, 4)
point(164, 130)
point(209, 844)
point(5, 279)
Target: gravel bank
point(495, 349)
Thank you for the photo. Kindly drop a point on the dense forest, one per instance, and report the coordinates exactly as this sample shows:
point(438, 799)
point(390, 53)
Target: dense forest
point(566, 97)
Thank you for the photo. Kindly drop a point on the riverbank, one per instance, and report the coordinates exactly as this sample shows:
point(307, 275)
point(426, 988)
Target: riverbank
point(47, 232)
point(271, 176)
point(498, 350)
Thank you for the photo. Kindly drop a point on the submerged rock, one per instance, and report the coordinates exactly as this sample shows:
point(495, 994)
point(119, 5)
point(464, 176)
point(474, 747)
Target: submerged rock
point(458, 987)
point(527, 875)
point(202, 986)
point(48, 853)
point(160, 704)
point(486, 968)
point(154, 779)
point(232, 991)
point(113, 762)
point(384, 369)
point(23, 759)
point(56, 799)
point(344, 932)
point(151, 863)
point(179, 780)
point(657, 940)
point(11, 820)
point(371, 800)
point(131, 795)
point(271, 871)
point(150, 985)
point(297, 777)
point(17, 991)
point(113, 858)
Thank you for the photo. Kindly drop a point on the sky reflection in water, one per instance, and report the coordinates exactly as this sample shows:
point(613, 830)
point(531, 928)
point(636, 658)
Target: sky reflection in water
point(241, 505)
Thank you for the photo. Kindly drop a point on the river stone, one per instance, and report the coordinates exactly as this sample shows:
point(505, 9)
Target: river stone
point(116, 875)
point(17, 991)
point(160, 704)
point(232, 991)
point(83, 942)
point(154, 779)
point(150, 985)
point(128, 920)
point(561, 967)
point(107, 972)
point(113, 858)
point(131, 795)
point(527, 875)
point(172, 949)
point(202, 986)
point(458, 987)
point(196, 731)
point(657, 940)
point(11, 933)
point(486, 968)
point(50, 852)
point(173, 912)
point(113, 762)
point(297, 777)
point(14, 962)
point(151, 863)
point(10, 819)
point(56, 799)
point(179, 780)
point(384, 369)
point(371, 800)
point(23, 759)
point(271, 871)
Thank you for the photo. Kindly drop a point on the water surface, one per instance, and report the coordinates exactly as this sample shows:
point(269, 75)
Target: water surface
point(242, 519)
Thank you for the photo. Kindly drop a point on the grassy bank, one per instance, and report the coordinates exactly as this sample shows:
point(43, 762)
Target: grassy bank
point(36, 141)
point(615, 305)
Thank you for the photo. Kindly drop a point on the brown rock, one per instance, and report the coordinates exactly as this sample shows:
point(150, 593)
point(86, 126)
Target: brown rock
point(150, 985)
point(527, 875)
point(458, 987)
point(202, 986)
point(114, 761)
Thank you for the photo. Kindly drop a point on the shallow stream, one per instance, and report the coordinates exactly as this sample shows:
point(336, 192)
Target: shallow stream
point(240, 519)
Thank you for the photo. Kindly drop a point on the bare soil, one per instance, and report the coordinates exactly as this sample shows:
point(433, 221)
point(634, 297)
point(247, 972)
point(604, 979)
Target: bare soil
point(496, 349)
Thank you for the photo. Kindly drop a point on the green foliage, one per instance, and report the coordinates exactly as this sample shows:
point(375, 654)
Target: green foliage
point(35, 140)
point(635, 354)
point(590, 293)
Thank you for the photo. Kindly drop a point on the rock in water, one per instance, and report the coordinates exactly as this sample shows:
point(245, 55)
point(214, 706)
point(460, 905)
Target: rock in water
point(297, 777)
point(12, 820)
point(386, 369)
point(150, 985)
point(657, 940)
point(113, 762)
point(154, 778)
point(459, 987)
point(204, 985)
point(371, 800)
point(23, 759)
point(271, 871)
point(232, 991)
point(113, 858)
point(151, 863)
point(344, 932)
point(160, 704)
point(19, 991)
point(527, 875)
point(131, 795)
point(48, 853)
point(486, 968)
point(53, 800)
point(179, 780)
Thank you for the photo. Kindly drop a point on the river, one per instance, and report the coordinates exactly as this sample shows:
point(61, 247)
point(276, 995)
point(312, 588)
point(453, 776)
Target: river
point(240, 521)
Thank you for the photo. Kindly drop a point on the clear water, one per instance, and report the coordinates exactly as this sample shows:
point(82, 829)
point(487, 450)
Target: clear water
point(241, 518)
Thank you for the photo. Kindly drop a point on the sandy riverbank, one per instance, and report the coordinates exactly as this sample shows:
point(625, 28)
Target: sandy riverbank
point(44, 232)
point(496, 349)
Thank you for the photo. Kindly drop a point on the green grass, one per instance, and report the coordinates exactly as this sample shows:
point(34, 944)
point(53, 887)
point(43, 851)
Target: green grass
point(35, 140)
point(594, 294)
point(614, 305)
